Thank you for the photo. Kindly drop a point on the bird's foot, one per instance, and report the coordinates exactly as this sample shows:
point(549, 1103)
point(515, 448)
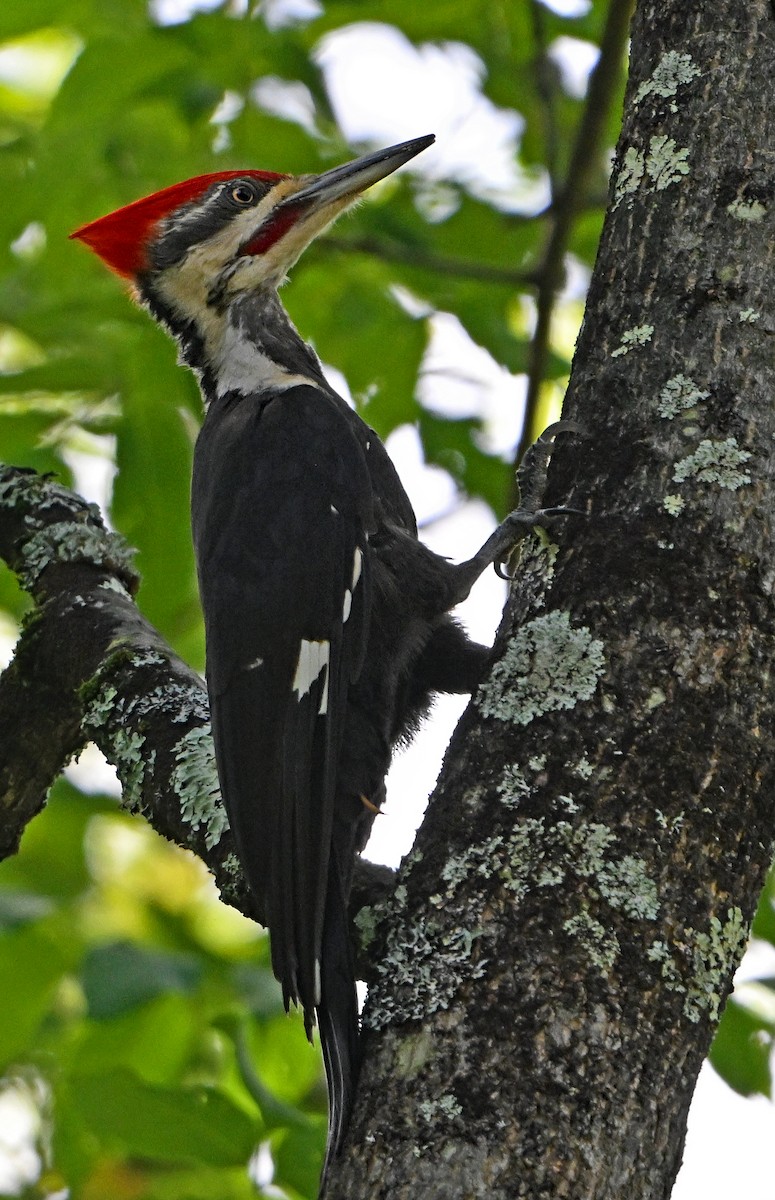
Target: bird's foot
point(531, 478)
point(521, 521)
point(531, 475)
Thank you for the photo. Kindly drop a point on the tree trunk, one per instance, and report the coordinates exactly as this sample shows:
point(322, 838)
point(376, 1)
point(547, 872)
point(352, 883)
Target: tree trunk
point(564, 935)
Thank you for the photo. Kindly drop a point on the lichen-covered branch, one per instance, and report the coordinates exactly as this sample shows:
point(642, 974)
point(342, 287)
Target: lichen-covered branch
point(89, 667)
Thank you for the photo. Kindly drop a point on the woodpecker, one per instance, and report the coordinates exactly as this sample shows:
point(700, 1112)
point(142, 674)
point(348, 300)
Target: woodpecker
point(327, 621)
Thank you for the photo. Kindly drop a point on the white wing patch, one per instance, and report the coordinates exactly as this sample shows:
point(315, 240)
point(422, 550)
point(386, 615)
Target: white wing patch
point(357, 566)
point(347, 603)
point(313, 660)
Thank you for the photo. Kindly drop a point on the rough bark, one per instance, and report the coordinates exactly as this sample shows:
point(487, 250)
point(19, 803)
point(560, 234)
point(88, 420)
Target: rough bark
point(564, 934)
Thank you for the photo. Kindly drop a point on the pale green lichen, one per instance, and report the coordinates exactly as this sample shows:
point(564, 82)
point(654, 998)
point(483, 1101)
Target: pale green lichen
point(678, 395)
point(537, 762)
point(147, 658)
point(440, 1108)
point(715, 462)
point(655, 697)
point(71, 542)
point(414, 1051)
point(671, 72)
point(673, 504)
point(630, 175)
point(713, 953)
point(586, 851)
point(710, 956)
point(627, 886)
point(659, 952)
point(665, 162)
point(195, 780)
point(748, 316)
point(365, 922)
point(100, 707)
point(103, 709)
point(426, 968)
point(524, 851)
point(669, 824)
point(549, 665)
point(115, 585)
point(478, 859)
point(639, 335)
point(130, 764)
point(232, 865)
point(182, 702)
point(750, 211)
point(600, 945)
point(584, 768)
point(662, 165)
point(513, 787)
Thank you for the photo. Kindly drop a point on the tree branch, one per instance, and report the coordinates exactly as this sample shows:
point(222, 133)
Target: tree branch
point(415, 256)
point(584, 165)
point(88, 666)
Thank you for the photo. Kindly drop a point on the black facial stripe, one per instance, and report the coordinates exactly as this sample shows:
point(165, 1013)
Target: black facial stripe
point(200, 220)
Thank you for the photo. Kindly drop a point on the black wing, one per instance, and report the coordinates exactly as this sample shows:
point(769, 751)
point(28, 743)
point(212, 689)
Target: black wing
point(282, 509)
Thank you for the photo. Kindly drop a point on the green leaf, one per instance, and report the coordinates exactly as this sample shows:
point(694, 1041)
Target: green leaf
point(52, 861)
point(120, 976)
point(154, 1040)
point(33, 959)
point(164, 1124)
point(298, 1158)
point(742, 1050)
point(451, 445)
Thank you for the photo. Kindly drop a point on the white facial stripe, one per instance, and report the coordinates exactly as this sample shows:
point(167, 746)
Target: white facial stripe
point(187, 285)
point(313, 658)
point(347, 606)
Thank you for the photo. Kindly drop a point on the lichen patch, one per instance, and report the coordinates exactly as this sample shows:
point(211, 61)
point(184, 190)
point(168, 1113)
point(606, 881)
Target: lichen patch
point(549, 665)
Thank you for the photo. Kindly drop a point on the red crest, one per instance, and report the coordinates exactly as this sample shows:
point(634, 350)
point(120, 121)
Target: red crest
point(121, 238)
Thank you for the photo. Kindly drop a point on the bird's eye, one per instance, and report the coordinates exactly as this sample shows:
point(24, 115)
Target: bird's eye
point(242, 194)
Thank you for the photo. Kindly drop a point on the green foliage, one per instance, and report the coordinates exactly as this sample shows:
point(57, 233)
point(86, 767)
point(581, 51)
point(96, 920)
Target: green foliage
point(146, 1014)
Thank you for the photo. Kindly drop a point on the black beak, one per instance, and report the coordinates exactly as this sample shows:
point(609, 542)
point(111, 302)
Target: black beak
point(345, 182)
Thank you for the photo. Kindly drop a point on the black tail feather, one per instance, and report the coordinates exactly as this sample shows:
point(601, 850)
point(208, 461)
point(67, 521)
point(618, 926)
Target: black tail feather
point(337, 1016)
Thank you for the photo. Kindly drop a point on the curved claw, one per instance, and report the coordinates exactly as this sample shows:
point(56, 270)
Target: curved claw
point(560, 510)
point(524, 520)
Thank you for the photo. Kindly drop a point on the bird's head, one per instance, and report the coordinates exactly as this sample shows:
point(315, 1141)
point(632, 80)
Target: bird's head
point(198, 243)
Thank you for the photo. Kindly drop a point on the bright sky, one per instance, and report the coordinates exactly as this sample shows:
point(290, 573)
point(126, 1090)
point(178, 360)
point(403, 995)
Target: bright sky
point(730, 1140)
